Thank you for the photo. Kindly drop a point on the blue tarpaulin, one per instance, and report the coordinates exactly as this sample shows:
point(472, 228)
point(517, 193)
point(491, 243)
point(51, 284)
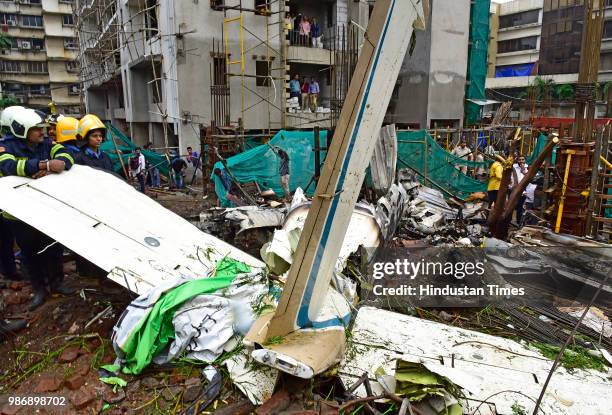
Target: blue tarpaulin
point(524, 69)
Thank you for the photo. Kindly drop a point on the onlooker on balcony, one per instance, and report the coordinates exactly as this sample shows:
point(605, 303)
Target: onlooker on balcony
point(305, 32)
point(315, 31)
point(313, 92)
point(289, 26)
point(295, 88)
point(295, 36)
point(305, 91)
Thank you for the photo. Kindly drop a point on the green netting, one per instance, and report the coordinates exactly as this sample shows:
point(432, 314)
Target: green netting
point(127, 147)
point(418, 151)
point(261, 165)
point(439, 166)
point(477, 58)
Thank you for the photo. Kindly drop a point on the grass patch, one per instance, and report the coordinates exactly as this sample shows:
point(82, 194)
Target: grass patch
point(575, 357)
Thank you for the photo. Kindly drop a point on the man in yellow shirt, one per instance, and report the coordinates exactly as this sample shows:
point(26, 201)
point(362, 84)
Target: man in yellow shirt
point(495, 176)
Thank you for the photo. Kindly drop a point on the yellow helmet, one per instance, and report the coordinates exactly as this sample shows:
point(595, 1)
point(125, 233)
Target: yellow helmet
point(67, 129)
point(89, 123)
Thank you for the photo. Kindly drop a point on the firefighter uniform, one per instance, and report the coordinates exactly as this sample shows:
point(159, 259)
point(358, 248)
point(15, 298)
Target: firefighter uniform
point(42, 258)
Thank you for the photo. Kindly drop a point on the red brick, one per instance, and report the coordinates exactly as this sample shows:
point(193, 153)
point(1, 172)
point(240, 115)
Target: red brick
point(69, 354)
point(82, 398)
point(48, 383)
point(75, 382)
point(277, 403)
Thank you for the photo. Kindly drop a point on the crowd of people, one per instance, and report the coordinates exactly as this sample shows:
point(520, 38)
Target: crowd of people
point(26, 151)
point(306, 91)
point(303, 31)
point(494, 175)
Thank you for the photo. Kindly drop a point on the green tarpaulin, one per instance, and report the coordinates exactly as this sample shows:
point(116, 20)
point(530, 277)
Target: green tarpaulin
point(156, 331)
point(127, 148)
point(261, 164)
point(417, 150)
point(477, 58)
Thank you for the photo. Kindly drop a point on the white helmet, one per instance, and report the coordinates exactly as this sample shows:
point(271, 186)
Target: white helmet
point(22, 120)
point(7, 115)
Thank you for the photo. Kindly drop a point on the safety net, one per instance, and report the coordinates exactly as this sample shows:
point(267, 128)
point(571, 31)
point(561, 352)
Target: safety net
point(127, 147)
point(417, 150)
point(435, 166)
point(477, 58)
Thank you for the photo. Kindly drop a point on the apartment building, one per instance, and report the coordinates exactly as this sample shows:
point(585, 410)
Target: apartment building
point(40, 66)
point(161, 70)
point(542, 38)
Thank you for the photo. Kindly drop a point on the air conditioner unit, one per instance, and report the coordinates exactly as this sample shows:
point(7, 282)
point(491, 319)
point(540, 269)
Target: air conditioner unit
point(5, 51)
point(25, 44)
point(74, 89)
point(11, 23)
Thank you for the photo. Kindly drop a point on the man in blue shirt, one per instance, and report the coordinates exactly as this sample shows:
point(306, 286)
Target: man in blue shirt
point(27, 153)
point(295, 88)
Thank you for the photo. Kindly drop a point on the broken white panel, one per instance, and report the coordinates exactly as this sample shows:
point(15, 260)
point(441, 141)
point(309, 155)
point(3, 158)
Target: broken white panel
point(485, 365)
point(363, 229)
point(255, 381)
point(251, 217)
point(105, 220)
point(384, 160)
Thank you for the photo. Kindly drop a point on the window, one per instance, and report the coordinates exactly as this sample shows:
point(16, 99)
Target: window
point(8, 19)
point(36, 67)
point(14, 42)
point(607, 29)
point(31, 1)
point(518, 19)
point(262, 71)
point(217, 4)
point(72, 66)
point(605, 62)
point(67, 20)
point(515, 45)
point(38, 44)
point(10, 66)
point(74, 89)
point(152, 28)
point(70, 43)
point(31, 21)
point(40, 90)
point(262, 7)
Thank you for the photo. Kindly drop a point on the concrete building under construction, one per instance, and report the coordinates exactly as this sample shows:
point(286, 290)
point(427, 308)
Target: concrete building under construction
point(40, 64)
point(163, 70)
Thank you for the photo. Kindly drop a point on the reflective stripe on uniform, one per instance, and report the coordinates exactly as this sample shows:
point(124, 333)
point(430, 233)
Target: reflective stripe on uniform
point(7, 157)
point(7, 215)
point(55, 149)
point(66, 156)
point(21, 164)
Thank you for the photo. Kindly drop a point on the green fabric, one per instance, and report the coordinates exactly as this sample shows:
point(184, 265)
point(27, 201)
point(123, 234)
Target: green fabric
point(415, 382)
point(156, 331)
point(437, 168)
point(127, 149)
point(261, 164)
point(477, 58)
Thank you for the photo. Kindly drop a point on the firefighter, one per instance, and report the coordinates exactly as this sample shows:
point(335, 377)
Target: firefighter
point(27, 153)
point(66, 132)
point(8, 268)
point(92, 131)
point(51, 121)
